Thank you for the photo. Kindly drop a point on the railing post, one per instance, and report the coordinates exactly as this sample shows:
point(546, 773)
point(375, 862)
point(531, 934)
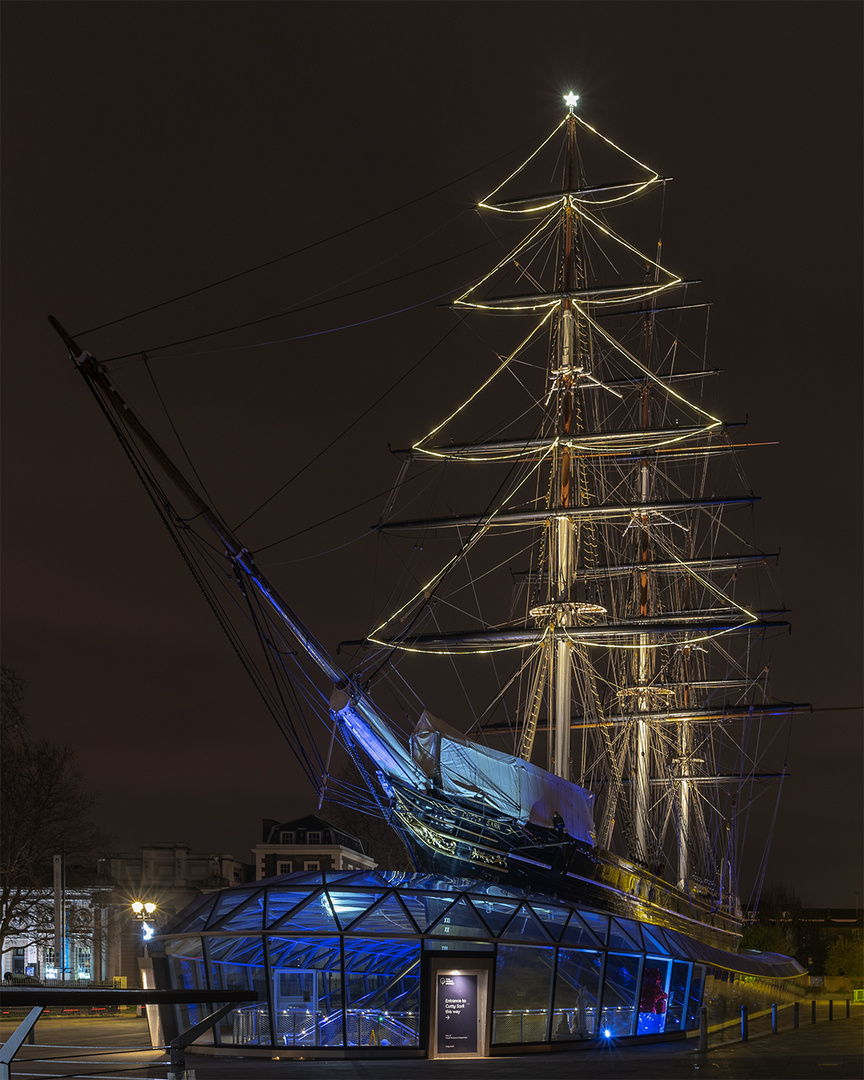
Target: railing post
point(745, 1034)
point(813, 1011)
point(796, 1015)
point(703, 1029)
point(13, 1044)
point(830, 1008)
point(774, 1019)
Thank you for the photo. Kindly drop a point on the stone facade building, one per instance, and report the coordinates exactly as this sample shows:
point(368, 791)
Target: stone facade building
point(307, 843)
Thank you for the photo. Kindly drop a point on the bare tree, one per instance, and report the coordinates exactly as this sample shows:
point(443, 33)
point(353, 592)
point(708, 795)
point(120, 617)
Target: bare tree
point(46, 810)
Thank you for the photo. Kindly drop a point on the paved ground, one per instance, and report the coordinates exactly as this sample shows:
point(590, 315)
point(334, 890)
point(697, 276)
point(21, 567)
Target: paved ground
point(819, 1051)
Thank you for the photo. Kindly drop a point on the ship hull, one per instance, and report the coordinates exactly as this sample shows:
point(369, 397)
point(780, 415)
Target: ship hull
point(454, 838)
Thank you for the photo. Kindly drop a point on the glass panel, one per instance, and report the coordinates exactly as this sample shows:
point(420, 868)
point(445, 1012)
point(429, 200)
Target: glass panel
point(192, 917)
point(228, 902)
point(694, 998)
point(248, 916)
point(315, 918)
point(282, 900)
point(425, 908)
point(653, 996)
point(526, 926)
point(598, 924)
point(460, 920)
point(389, 917)
point(577, 994)
point(523, 978)
point(307, 991)
point(439, 945)
point(619, 995)
point(356, 877)
point(309, 878)
point(621, 940)
point(553, 918)
point(349, 904)
point(655, 940)
point(382, 992)
point(496, 913)
point(238, 964)
point(677, 993)
point(313, 952)
point(633, 929)
point(577, 933)
point(419, 882)
point(185, 958)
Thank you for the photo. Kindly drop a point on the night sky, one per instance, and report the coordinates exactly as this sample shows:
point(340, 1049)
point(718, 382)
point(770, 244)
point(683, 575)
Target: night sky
point(153, 148)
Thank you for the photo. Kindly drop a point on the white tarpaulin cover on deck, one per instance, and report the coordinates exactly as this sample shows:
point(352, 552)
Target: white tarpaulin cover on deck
point(505, 783)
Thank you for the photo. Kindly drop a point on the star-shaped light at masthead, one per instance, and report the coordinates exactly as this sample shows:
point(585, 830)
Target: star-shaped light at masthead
point(571, 99)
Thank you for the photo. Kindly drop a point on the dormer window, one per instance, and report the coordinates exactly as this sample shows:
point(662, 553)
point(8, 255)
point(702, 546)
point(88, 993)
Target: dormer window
point(286, 836)
point(313, 837)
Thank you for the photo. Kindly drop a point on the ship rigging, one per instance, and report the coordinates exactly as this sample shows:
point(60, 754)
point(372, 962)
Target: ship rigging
point(616, 760)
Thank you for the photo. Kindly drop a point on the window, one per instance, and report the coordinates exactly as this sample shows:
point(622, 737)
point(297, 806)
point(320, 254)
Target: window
point(313, 837)
point(84, 963)
point(577, 988)
point(312, 864)
point(286, 836)
point(620, 994)
point(284, 867)
point(521, 1003)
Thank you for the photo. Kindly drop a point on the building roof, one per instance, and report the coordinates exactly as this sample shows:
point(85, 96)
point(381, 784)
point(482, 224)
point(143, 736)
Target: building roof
point(396, 905)
point(330, 834)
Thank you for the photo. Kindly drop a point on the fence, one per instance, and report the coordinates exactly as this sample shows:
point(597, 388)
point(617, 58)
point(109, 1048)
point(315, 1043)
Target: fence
point(307, 1027)
point(770, 1021)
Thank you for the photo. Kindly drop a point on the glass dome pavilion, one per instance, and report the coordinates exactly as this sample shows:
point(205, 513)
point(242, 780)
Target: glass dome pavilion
point(347, 960)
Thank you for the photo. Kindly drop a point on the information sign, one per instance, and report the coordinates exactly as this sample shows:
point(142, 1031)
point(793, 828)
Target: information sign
point(457, 1014)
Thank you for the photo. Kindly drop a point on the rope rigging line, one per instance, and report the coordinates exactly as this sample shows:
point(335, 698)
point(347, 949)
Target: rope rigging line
point(333, 517)
point(168, 416)
point(312, 333)
point(164, 509)
point(308, 307)
point(297, 251)
point(344, 432)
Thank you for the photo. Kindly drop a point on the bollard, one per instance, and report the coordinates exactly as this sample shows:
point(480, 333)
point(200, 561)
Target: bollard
point(745, 1034)
point(847, 1008)
point(774, 1019)
point(703, 1029)
point(831, 1008)
point(796, 1012)
point(813, 1011)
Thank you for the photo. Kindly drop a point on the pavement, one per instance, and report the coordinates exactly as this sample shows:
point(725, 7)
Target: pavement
point(827, 1049)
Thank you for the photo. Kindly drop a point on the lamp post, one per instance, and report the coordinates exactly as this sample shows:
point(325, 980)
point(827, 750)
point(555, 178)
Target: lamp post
point(144, 910)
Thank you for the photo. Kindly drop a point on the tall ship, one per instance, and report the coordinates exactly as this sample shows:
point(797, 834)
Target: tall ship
point(576, 532)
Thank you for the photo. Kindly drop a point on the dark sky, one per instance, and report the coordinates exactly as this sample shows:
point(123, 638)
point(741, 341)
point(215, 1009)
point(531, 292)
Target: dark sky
point(152, 148)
